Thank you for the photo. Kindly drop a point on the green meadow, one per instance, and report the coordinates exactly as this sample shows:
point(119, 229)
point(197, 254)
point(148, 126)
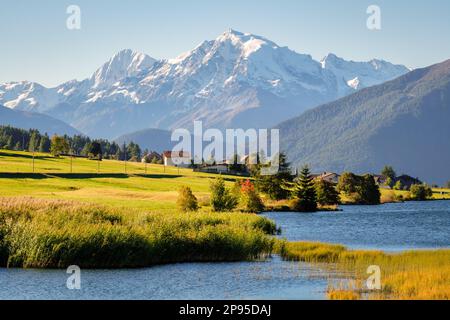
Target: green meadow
point(113, 214)
point(109, 182)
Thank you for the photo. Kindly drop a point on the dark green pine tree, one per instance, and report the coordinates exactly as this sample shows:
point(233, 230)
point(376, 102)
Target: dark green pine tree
point(304, 192)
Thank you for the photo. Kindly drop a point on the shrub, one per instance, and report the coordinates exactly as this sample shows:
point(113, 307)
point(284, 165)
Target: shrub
point(326, 192)
point(369, 191)
point(273, 184)
point(186, 200)
point(362, 189)
point(398, 185)
point(221, 198)
point(59, 145)
point(420, 192)
point(250, 199)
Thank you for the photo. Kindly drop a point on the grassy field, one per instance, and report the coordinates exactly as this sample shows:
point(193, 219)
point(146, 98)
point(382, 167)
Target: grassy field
point(101, 213)
point(151, 189)
point(408, 275)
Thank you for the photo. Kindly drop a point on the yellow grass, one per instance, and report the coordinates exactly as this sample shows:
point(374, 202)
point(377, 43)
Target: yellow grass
point(421, 274)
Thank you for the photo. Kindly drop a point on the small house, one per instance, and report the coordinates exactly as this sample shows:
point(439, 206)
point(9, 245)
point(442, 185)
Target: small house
point(327, 176)
point(177, 159)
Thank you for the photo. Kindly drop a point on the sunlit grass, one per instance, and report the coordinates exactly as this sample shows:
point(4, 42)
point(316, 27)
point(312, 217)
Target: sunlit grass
point(420, 274)
point(153, 190)
point(37, 233)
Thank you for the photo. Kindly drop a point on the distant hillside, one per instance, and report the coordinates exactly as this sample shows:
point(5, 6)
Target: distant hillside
point(30, 120)
point(152, 139)
point(403, 122)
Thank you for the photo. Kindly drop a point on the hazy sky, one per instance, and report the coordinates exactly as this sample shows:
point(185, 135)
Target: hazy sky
point(37, 46)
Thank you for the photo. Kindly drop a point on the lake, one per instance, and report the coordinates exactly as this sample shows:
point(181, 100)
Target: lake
point(391, 227)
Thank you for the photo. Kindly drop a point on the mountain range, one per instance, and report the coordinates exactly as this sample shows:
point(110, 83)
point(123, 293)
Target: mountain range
point(238, 80)
point(30, 120)
point(403, 123)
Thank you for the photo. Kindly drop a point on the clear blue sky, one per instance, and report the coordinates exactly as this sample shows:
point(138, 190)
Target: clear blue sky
point(37, 46)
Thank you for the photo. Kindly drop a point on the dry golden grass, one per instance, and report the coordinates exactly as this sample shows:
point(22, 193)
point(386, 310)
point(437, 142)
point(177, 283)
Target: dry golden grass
point(421, 274)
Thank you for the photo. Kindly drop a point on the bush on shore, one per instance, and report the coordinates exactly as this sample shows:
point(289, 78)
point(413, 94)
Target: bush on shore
point(420, 192)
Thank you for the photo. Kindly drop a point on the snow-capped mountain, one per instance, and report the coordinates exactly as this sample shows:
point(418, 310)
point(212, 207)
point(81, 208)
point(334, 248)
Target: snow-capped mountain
point(126, 63)
point(368, 73)
point(237, 80)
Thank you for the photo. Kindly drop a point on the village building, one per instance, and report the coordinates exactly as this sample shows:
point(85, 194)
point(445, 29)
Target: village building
point(331, 177)
point(183, 157)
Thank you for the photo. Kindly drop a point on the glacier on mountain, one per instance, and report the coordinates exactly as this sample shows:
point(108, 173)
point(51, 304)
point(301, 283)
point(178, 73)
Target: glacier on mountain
point(238, 80)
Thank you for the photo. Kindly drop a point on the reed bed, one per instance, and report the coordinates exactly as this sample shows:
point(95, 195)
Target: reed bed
point(420, 274)
point(37, 233)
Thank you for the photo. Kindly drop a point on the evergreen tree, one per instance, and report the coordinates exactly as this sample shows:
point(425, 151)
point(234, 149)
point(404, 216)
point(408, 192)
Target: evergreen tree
point(96, 150)
point(34, 142)
point(304, 192)
point(222, 198)
point(134, 151)
point(44, 144)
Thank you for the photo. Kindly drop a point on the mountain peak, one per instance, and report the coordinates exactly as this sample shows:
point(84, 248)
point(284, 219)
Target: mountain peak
point(330, 58)
point(125, 63)
point(231, 31)
point(238, 37)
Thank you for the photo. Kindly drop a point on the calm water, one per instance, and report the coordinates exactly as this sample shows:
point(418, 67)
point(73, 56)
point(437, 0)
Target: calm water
point(388, 227)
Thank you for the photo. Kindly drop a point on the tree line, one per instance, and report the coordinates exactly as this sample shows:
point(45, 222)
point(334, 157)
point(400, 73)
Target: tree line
point(78, 145)
point(306, 193)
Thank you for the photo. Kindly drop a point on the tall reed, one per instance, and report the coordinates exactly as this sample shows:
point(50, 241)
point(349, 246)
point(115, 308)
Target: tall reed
point(37, 233)
point(420, 274)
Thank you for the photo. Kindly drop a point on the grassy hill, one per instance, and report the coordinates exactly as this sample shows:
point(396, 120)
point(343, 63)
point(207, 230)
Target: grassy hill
point(107, 182)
